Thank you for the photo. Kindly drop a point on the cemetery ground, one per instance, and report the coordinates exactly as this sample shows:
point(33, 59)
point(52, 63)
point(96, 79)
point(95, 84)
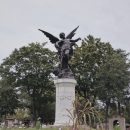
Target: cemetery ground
point(28, 129)
point(58, 128)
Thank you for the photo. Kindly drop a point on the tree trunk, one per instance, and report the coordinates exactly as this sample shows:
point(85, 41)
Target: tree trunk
point(119, 108)
point(106, 114)
point(94, 100)
point(34, 115)
point(84, 92)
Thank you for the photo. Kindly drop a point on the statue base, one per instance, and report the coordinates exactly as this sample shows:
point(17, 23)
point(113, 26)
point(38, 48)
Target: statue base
point(65, 96)
point(63, 73)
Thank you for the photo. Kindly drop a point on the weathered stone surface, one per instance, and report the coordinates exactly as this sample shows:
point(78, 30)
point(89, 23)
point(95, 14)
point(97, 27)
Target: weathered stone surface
point(65, 95)
point(121, 121)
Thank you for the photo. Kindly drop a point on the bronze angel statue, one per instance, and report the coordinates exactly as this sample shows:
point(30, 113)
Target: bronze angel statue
point(64, 47)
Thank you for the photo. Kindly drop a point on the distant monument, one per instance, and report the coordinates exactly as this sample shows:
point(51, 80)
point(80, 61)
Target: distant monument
point(121, 121)
point(65, 83)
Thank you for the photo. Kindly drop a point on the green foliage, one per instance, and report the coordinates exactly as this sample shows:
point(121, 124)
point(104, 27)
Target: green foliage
point(114, 75)
point(28, 70)
point(83, 113)
point(8, 99)
point(101, 72)
point(29, 129)
point(49, 113)
point(38, 125)
point(87, 63)
point(22, 114)
point(117, 128)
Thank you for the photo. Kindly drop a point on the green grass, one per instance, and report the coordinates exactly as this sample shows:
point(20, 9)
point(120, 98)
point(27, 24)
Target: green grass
point(67, 128)
point(28, 129)
point(116, 128)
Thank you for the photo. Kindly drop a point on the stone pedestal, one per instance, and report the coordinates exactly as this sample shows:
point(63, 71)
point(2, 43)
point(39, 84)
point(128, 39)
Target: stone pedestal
point(65, 95)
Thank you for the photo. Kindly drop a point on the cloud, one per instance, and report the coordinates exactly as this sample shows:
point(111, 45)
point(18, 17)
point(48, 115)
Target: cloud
point(20, 20)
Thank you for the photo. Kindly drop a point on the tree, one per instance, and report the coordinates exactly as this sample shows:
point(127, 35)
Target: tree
point(29, 69)
point(21, 114)
point(8, 99)
point(86, 64)
point(114, 79)
point(101, 72)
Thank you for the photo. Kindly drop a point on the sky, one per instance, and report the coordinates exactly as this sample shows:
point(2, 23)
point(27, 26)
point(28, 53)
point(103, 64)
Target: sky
point(21, 19)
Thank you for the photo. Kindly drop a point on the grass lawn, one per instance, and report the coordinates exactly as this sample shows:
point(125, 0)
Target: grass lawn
point(29, 129)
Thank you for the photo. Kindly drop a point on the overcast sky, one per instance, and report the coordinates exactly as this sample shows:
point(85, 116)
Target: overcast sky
point(105, 19)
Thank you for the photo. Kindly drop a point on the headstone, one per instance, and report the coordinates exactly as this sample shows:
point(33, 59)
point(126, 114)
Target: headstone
point(121, 121)
point(9, 122)
point(65, 96)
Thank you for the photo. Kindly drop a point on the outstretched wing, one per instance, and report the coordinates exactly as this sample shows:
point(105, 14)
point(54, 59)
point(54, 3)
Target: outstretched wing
point(52, 38)
point(72, 33)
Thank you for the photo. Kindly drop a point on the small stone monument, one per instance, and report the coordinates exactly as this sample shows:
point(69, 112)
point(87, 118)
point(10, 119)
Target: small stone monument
point(121, 121)
point(65, 82)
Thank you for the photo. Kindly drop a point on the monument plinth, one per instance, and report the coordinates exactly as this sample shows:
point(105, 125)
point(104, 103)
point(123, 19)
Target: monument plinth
point(65, 95)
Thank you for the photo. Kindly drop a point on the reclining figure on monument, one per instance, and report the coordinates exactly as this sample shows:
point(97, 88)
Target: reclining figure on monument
point(64, 46)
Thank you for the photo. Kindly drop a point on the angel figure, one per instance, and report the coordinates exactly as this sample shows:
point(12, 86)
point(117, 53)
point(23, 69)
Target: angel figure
point(64, 46)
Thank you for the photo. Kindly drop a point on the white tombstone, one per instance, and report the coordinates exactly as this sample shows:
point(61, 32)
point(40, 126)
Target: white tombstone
point(65, 96)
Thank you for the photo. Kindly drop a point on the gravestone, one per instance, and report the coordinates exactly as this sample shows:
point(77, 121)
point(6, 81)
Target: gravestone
point(9, 122)
point(121, 121)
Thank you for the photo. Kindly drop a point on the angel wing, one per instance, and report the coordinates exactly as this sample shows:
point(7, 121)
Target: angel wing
point(72, 33)
point(52, 38)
